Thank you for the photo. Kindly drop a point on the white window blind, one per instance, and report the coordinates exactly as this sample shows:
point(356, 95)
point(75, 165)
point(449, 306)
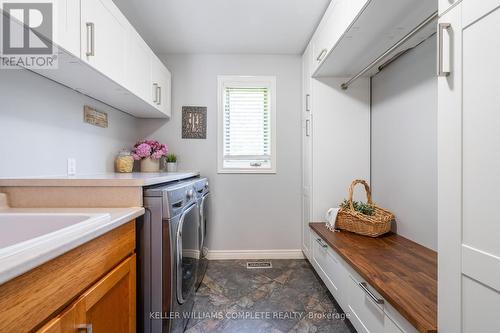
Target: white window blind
point(247, 125)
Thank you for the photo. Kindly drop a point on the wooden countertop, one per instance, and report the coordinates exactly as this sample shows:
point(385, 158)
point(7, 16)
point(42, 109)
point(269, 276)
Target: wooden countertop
point(402, 271)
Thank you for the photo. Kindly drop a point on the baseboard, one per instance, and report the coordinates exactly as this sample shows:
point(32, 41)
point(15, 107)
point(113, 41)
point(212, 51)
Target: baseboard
point(255, 254)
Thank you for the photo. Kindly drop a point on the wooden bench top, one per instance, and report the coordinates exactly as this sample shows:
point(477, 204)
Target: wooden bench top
point(402, 271)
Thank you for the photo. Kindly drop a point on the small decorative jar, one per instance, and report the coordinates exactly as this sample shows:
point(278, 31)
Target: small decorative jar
point(124, 162)
point(172, 166)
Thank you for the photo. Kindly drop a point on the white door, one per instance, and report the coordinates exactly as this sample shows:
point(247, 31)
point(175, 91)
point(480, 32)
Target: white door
point(306, 150)
point(103, 38)
point(469, 164)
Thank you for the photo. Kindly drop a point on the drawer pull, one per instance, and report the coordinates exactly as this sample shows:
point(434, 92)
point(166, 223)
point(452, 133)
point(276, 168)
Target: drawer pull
point(364, 286)
point(323, 245)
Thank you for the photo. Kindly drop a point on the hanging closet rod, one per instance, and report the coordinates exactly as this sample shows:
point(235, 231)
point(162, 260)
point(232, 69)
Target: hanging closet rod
point(403, 40)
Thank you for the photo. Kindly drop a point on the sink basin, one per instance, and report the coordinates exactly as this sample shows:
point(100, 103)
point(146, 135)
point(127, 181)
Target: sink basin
point(18, 228)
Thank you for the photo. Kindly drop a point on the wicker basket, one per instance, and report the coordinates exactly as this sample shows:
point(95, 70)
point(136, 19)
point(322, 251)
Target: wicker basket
point(375, 225)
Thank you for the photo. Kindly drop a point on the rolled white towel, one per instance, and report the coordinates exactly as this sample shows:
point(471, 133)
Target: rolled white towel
point(331, 218)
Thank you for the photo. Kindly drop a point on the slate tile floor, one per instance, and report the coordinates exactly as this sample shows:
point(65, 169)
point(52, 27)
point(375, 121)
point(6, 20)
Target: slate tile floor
point(288, 298)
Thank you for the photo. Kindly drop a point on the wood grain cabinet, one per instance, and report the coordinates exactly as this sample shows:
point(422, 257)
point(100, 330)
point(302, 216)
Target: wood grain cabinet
point(92, 288)
point(108, 306)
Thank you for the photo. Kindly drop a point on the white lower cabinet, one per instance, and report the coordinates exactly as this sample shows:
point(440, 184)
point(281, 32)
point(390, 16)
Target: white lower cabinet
point(329, 268)
point(365, 314)
point(367, 310)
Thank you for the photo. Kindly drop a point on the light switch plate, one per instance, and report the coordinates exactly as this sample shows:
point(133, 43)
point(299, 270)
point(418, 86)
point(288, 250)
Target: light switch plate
point(71, 166)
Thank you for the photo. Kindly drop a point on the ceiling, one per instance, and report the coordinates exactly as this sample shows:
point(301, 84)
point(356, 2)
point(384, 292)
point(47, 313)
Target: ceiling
point(225, 26)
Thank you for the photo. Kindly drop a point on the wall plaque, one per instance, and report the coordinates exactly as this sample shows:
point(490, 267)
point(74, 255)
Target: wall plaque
point(94, 117)
point(194, 122)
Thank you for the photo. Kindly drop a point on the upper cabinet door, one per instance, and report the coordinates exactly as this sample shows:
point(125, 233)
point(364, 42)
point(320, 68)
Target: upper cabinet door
point(67, 30)
point(337, 19)
point(103, 38)
point(137, 64)
point(161, 86)
point(444, 5)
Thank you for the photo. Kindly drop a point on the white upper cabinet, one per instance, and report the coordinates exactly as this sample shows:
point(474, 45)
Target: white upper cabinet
point(337, 19)
point(353, 33)
point(161, 86)
point(103, 38)
point(67, 32)
point(138, 58)
point(101, 55)
point(444, 5)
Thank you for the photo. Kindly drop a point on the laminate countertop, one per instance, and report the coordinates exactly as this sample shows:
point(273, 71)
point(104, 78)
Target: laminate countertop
point(30, 237)
point(402, 271)
point(135, 179)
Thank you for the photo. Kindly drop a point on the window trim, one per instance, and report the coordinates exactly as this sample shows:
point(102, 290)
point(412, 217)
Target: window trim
point(243, 81)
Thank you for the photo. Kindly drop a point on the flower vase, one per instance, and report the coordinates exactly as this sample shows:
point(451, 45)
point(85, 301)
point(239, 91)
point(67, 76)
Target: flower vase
point(150, 165)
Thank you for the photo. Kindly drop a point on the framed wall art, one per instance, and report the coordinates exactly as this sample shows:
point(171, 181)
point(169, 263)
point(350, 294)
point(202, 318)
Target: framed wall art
point(194, 122)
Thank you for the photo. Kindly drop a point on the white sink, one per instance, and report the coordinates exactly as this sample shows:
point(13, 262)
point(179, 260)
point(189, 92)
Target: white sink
point(32, 228)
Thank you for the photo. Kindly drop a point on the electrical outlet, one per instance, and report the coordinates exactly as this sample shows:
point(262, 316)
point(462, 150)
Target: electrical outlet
point(71, 166)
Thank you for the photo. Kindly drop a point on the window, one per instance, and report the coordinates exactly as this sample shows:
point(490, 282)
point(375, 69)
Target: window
point(246, 124)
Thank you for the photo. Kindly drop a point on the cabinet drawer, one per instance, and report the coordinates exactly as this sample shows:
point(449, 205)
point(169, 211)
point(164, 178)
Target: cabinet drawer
point(366, 314)
point(330, 268)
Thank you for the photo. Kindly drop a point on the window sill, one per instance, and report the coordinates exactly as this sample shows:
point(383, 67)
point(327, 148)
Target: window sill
point(247, 171)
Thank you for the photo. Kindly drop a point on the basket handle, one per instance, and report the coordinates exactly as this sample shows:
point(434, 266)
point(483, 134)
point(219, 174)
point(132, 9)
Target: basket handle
point(367, 190)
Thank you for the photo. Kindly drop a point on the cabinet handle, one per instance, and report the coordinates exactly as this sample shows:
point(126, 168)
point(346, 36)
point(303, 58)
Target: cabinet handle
point(159, 95)
point(256, 164)
point(155, 93)
point(85, 327)
point(90, 39)
point(323, 245)
point(322, 54)
point(308, 107)
point(308, 122)
point(364, 286)
point(441, 29)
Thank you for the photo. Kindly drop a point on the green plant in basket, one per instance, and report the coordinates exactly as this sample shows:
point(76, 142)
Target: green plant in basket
point(360, 207)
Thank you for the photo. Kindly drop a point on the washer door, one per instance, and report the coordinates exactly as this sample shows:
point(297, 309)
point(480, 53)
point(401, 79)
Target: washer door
point(188, 253)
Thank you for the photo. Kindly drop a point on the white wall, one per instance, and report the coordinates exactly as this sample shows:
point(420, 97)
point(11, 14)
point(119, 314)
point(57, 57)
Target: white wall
point(404, 143)
point(249, 212)
point(341, 141)
point(41, 125)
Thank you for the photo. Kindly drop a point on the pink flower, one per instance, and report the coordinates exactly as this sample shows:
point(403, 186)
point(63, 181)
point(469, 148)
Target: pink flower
point(149, 148)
